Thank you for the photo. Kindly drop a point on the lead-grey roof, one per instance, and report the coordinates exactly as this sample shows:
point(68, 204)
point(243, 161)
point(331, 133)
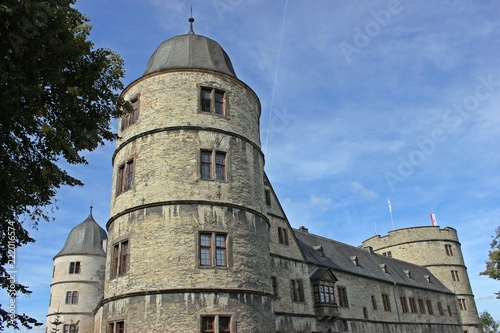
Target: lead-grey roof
point(339, 257)
point(85, 238)
point(190, 51)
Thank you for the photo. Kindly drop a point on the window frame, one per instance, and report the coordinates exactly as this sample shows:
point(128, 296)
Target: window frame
point(214, 249)
point(283, 236)
point(274, 284)
point(297, 290)
point(324, 292)
point(213, 165)
point(462, 304)
point(120, 258)
point(212, 103)
point(69, 328)
point(125, 176)
point(75, 267)
point(404, 304)
point(448, 249)
point(132, 117)
point(454, 275)
point(215, 320)
point(117, 326)
point(421, 306)
point(430, 310)
point(413, 305)
point(374, 302)
point(342, 297)
point(386, 301)
point(71, 297)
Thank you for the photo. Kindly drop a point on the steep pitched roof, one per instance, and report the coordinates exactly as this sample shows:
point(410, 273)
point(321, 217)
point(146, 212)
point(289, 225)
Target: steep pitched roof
point(86, 238)
point(340, 257)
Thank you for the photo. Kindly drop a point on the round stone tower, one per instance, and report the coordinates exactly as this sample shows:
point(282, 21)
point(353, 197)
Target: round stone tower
point(438, 250)
point(78, 278)
point(188, 242)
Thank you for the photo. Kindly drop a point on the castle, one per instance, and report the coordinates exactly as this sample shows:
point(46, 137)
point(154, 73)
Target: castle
point(197, 240)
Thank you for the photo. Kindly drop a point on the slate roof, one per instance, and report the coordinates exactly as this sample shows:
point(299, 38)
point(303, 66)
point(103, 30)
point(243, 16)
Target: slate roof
point(85, 239)
point(190, 51)
point(337, 256)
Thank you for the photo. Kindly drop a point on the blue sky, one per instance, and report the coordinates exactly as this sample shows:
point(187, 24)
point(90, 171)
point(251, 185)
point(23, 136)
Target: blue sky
point(361, 101)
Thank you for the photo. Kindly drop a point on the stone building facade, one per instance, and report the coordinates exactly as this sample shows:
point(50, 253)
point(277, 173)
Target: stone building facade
point(198, 241)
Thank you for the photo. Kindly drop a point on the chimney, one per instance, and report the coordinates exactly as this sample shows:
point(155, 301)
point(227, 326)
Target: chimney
point(303, 229)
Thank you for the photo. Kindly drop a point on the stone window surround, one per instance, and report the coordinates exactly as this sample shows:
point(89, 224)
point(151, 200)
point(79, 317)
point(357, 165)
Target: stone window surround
point(131, 118)
point(213, 175)
point(118, 271)
point(216, 317)
point(229, 248)
point(213, 87)
point(75, 267)
point(297, 290)
point(113, 326)
point(123, 173)
point(343, 300)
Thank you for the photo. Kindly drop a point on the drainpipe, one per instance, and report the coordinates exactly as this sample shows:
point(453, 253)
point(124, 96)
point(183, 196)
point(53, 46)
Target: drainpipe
point(397, 308)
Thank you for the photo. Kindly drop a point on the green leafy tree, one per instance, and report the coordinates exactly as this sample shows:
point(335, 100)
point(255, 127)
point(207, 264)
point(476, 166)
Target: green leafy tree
point(493, 264)
point(58, 95)
point(487, 323)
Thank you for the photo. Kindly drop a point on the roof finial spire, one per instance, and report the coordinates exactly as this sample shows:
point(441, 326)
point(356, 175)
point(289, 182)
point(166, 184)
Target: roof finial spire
point(91, 202)
point(191, 20)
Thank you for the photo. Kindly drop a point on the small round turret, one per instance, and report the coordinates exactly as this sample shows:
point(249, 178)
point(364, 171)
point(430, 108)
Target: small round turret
point(78, 278)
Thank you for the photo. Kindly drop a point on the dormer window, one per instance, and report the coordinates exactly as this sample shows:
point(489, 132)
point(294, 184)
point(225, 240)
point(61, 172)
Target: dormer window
point(213, 101)
point(383, 267)
point(408, 273)
point(354, 260)
point(319, 250)
point(427, 278)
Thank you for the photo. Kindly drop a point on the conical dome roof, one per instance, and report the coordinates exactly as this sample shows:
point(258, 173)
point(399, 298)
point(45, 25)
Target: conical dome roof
point(85, 238)
point(190, 51)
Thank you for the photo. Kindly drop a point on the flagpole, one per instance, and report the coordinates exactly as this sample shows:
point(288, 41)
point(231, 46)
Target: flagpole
point(390, 212)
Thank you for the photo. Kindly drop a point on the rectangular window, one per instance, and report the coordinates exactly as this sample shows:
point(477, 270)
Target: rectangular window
point(120, 258)
point(404, 304)
point(69, 328)
point(213, 101)
point(283, 236)
point(374, 302)
point(267, 194)
point(454, 276)
point(125, 177)
point(387, 302)
point(131, 118)
point(462, 305)
point(297, 290)
point(212, 245)
point(72, 297)
point(324, 293)
point(365, 312)
point(429, 307)
point(387, 254)
point(74, 267)
point(413, 305)
point(213, 165)
point(448, 250)
point(274, 283)
point(449, 310)
point(343, 301)
point(116, 327)
point(440, 309)
point(216, 324)
point(421, 306)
